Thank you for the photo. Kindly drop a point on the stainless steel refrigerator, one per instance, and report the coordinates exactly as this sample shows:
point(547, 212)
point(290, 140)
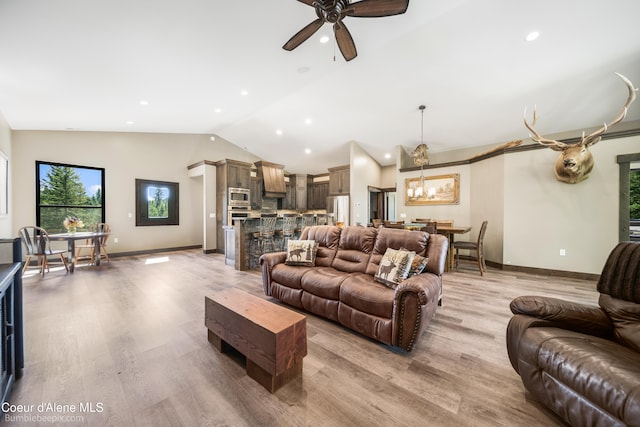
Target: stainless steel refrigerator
point(339, 206)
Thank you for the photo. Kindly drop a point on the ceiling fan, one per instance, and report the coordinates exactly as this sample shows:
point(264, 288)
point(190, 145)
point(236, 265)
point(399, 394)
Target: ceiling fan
point(333, 11)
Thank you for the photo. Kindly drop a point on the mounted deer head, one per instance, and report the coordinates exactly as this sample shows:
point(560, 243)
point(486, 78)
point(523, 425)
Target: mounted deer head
point(575, 162)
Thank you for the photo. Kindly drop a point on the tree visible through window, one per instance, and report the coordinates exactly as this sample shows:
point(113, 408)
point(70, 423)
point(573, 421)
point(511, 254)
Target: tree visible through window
point(634, 195)
point(68, 191)
point(158, 202)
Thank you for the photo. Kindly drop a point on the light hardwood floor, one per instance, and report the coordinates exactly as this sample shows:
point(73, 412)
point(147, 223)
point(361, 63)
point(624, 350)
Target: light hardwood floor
point(129, 338)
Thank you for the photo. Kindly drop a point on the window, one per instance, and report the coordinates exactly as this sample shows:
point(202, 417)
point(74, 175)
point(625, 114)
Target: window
point(634, 204)
point(156, 203)
point(68, 190)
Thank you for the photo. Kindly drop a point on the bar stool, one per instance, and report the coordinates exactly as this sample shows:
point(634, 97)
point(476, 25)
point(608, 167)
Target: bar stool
point(263, 237)
point(308, 220)
point(331, 219)
point(289, 222)
point(321, 219)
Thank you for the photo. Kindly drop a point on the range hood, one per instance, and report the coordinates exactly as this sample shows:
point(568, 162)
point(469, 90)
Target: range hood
point(272, 175)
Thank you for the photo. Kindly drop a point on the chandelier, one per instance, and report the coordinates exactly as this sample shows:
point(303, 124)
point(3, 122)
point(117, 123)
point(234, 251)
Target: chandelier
point(420, 157)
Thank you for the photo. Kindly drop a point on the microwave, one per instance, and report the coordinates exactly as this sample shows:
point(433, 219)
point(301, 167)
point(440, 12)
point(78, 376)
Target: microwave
point(239, 197)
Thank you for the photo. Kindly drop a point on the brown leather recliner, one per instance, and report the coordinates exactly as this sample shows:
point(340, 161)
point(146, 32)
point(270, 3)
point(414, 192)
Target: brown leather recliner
point(583, 361)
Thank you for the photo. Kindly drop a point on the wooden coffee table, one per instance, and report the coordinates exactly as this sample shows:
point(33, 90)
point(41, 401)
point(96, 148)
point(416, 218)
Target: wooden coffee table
point(271, 337)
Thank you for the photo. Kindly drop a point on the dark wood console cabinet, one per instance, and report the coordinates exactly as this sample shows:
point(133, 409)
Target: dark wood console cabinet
point(12, 353)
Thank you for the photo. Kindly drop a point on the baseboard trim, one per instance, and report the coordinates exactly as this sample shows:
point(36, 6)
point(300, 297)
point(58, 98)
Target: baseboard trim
point(537, 271)
point(154, 251)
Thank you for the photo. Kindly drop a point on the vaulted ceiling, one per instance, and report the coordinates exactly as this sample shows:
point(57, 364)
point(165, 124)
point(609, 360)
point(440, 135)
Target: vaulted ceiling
point(87, 65)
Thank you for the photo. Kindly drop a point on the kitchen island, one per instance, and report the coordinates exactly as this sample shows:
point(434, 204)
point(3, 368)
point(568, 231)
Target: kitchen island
point(242, 236)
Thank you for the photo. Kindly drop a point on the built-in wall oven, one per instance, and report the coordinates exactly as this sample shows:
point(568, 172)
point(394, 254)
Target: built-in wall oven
point(236, 213)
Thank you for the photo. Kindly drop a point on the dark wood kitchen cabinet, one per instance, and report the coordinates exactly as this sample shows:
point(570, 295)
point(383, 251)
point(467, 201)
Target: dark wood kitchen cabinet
point(229, 173)
point(317, 193)
point(339, 180)
point(289, 201)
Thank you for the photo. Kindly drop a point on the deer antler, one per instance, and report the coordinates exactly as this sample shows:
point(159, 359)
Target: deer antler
point(551, 143)
point(595, 137)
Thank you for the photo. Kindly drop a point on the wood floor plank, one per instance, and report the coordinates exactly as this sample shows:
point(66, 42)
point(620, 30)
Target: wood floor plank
point(130, 335)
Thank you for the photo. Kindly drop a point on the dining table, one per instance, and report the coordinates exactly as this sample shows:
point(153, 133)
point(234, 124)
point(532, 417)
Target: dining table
point(71, 238)
point(450, 231)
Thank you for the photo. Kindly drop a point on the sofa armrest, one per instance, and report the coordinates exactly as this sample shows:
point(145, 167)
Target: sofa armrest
point(415, 301)
point(267, 262)
point(591, 320)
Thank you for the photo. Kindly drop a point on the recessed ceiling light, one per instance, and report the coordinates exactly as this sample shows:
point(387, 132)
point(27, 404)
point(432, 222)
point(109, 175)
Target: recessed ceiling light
point(278, 132)
point(244, 93)
point(218, 110)
point(324, 39)
point(130, 122)
point(143, 102)
point(307, 150)
point(532, 36)
point(387, 156)
point(307, 121)
point(212, 138)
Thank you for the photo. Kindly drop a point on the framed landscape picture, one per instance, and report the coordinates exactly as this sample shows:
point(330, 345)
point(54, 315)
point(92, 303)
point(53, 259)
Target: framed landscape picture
point(436, 190)
point(157, 203)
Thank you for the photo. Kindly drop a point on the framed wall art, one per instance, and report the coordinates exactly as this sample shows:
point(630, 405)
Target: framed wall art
point(433, 190)
point(157, 203)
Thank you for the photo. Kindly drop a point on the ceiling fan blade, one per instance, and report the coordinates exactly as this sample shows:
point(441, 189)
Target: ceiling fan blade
point(309, 2)
point(303, 34)
point(377, 8)
point(345, 41)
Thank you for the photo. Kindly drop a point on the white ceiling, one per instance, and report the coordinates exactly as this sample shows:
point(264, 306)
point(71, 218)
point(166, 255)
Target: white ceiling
point(86, 65)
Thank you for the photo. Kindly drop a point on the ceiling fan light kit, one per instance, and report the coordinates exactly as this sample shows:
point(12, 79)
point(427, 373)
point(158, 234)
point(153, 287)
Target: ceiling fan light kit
point(334, 11)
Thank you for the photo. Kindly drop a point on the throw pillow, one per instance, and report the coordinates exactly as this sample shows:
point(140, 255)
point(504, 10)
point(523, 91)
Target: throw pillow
point(418, 265)
point(301, 252)
point(394, 267)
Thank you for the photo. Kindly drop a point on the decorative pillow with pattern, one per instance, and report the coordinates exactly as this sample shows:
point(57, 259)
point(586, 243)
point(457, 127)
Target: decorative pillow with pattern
point(418, 265)
point(301, 252)
point(394, 267)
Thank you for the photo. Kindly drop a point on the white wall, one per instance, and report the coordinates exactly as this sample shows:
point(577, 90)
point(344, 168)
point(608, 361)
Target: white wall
point(6, 230)
point(125, 157)
point(543, 215)
point(364, 172)
point(460, 213)
point(532, 215)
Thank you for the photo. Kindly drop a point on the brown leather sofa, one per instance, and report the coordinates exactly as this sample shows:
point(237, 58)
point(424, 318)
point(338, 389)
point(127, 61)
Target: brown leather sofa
point(341, 286)
point(583, 361)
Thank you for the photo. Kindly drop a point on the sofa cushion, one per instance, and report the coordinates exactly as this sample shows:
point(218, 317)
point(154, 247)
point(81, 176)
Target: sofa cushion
point(301, 252)
point(626, 320)
point(289, 275)
point(394, 267)
point(354, 250)
point(416, 241)
point(328, 238)
point(361, 292)
point(324, 282)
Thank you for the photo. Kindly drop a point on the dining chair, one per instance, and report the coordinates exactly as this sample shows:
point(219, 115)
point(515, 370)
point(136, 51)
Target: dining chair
point(477, 246)
point(430, 227)
point(89, 244)
point(422, 220)
point(393, 224)
point(37, 243)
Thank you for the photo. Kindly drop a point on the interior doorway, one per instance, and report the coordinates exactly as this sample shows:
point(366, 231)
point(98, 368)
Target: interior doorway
point(382, 204)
